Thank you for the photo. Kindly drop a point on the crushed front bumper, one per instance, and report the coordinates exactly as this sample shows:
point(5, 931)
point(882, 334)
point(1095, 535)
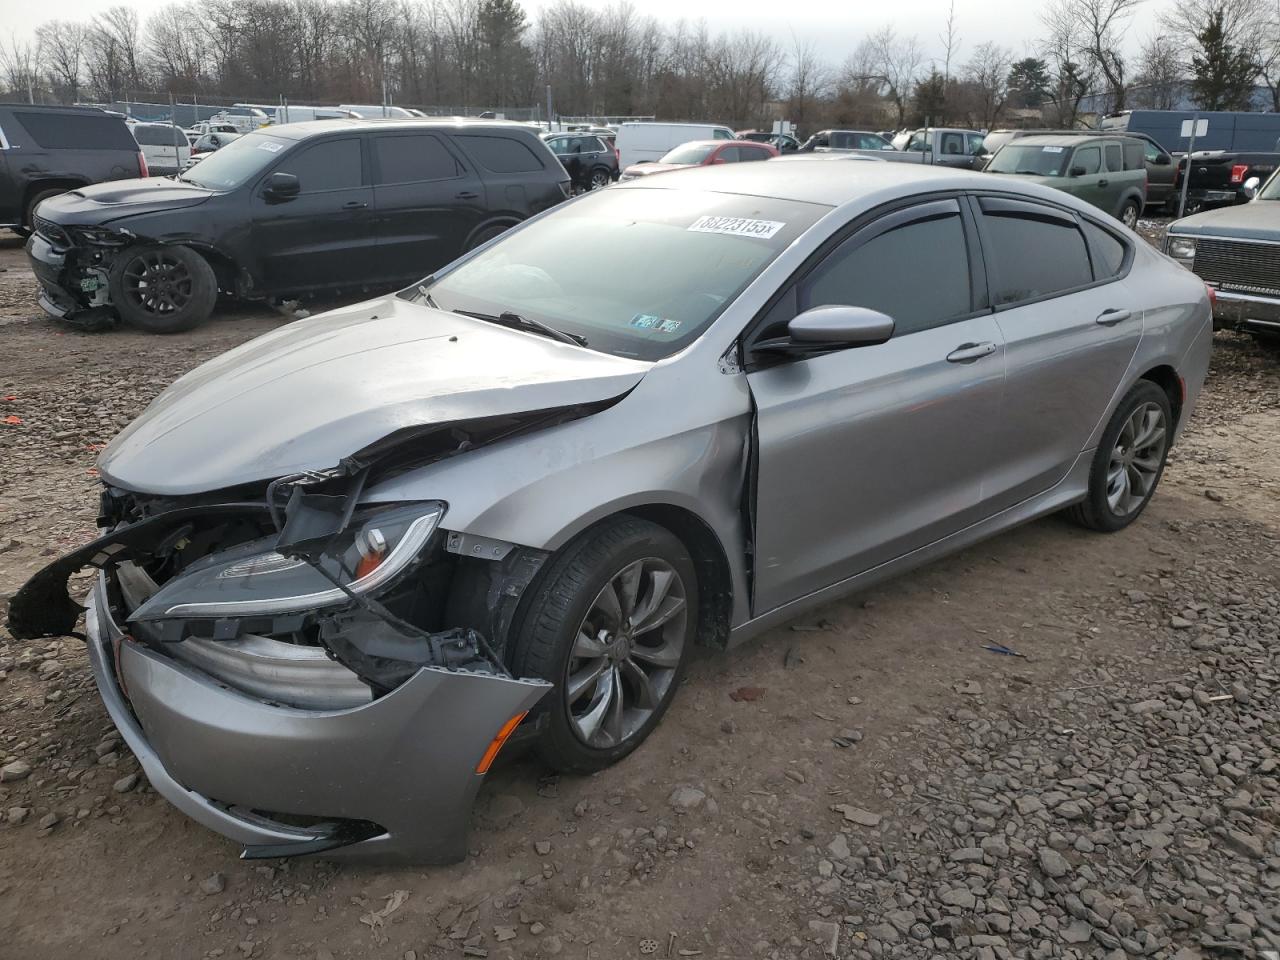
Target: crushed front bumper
point(49, 266)
point(392, 780)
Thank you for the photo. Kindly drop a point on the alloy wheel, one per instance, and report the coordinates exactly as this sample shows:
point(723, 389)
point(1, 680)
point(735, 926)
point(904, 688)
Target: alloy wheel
point(599, 179)
point(626, 653)
point(1136, 459)
point(158, 282)
point(1130, 216)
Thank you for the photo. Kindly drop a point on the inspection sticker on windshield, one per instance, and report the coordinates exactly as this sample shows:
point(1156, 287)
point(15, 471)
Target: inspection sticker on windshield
point(1053, 149)
point(271, 146)
point(738, 226)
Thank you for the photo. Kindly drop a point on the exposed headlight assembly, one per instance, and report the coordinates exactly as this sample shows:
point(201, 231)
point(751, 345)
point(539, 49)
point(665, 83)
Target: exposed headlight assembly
point(253, 580)
point(1182, 248)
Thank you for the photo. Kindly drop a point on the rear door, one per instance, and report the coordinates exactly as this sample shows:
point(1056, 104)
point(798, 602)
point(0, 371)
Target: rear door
point(323, 237)
point(1070, 326)
point(866, 454)
point(426, 203)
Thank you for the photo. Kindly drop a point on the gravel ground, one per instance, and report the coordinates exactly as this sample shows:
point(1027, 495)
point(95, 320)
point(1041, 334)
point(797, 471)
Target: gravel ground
point(887, 787)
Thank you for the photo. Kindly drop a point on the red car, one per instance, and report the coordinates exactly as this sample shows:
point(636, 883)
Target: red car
point(702, 153)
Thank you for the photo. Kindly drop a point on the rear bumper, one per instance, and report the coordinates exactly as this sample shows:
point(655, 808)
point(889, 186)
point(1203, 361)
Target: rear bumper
point(397, 774)
point(1246, 311)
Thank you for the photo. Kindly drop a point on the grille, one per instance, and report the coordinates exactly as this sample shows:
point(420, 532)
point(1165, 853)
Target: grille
point(52, 232)
point(1240, 264)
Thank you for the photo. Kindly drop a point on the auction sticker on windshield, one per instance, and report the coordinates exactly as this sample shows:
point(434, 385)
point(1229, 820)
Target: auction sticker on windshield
point(737, 226)
point(271, 146)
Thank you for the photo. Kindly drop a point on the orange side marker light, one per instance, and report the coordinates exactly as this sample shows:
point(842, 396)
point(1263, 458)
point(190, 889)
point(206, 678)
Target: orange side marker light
point(495, 745)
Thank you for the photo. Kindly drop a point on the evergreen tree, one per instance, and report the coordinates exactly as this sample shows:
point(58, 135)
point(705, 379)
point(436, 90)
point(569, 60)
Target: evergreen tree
point(1222, 73)
point(929, 100)
point(1029, 83)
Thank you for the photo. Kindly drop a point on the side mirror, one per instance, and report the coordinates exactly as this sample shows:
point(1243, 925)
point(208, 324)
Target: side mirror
point(1251, 187)
point(1076, 172)
point(1162, 160)
point(822, 329)
point(282, 186)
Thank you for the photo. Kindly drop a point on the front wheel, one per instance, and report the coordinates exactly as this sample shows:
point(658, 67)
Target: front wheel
point(611, 624)
point(1129, 460)
point(163, 289)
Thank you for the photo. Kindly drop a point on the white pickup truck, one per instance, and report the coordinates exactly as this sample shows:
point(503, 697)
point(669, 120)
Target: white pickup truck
point(943, 146)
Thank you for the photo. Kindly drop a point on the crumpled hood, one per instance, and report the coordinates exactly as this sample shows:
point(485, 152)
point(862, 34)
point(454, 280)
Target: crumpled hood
point(1258, 220)
point(104, 202)
point(318, 390)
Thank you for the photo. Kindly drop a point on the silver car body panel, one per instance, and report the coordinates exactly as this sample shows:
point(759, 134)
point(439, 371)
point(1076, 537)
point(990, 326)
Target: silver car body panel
point(866, 462)
point(231, 761)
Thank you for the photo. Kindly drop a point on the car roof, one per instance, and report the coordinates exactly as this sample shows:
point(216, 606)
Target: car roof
point(313, 128)
point(1060, 140)
point(817, 180)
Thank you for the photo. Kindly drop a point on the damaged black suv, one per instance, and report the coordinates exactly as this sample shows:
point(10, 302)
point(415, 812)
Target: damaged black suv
point(331, 205)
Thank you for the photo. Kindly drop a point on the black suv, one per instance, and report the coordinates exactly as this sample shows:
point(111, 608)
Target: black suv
point(590, 160)
point(348, 205)
point(49, 150)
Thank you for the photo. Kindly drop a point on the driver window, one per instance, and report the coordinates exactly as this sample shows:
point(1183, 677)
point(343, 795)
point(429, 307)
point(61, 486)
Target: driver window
point(1090, 158)
point(877, 274)
point(332, 165)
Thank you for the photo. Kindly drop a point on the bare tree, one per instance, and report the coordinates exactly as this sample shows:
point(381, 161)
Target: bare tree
point(987, 73)
point(63, 44)
point(950, 41)
point(1161, 70)
point(898, 60)
point(809, 81)
point(1100, 25)
point(1066, 50)
point(18, 59)
point(117, 41)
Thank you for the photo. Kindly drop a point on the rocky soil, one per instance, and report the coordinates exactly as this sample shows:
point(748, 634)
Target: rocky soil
point(1055, 744)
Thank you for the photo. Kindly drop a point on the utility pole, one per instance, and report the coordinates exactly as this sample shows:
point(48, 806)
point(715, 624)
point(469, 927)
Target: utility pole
point(549, 114)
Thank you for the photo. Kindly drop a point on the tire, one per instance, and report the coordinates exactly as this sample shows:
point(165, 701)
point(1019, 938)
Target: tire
point(485, 235)
point(600, 178)
point(565, 635)
point(162, 288)
point(1114, 499)
point(1129, 214)
point(28, 215)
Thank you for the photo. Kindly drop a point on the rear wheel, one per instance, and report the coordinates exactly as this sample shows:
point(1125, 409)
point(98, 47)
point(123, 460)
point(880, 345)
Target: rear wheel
point(163, 289)
point(600, 178)
point(1129, 215)
point(29, 215)
point(611, 624)
point(487, 234)
point(1129, 460)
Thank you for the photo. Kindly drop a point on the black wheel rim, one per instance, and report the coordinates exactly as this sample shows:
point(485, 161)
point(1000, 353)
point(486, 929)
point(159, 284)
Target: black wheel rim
point(158, 282)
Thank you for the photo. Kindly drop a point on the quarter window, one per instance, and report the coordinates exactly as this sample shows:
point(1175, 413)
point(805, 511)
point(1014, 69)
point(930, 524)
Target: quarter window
point(1032, 256)
point(332, 165)
point(1108, 251)
point(410, 159)
point(1088, 160)
point(878, 274)
point(501, 154)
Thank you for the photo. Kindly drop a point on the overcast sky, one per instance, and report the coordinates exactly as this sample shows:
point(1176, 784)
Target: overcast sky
point(836, 29)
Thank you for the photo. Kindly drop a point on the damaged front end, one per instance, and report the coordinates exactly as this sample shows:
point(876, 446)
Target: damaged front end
point(73, 267)
point(297, 670)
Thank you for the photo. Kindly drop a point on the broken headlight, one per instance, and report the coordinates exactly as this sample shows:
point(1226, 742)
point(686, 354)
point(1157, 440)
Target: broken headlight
point(101, 236)
point(254, 580)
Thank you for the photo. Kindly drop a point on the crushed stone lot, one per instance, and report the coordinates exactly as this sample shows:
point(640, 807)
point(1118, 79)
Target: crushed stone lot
point(1054, 744)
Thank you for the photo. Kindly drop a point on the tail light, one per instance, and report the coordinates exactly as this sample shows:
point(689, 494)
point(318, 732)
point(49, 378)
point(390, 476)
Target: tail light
point(142, 165)
point(1238, 170)
point(1213, 295)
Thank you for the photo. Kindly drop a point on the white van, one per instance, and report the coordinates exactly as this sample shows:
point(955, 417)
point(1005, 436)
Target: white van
point(164, 145)
point(638, 142)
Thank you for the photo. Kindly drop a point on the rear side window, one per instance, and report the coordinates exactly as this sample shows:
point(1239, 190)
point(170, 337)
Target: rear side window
point(1108, 251)
point(1088, 160)
point(729, 155)
point(332, 165)
point(501, 154)
point(1033, 256)
point(877, 274)
point(953, 144)
point(411, 159)
point(76, 131)
point(1115, 161)
point(752, 153)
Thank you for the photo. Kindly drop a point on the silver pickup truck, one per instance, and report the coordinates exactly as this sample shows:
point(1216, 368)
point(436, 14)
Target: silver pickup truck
point(943, 146)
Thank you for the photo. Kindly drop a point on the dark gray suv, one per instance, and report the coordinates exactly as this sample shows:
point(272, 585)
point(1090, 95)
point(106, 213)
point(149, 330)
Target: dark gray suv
point(337, 205)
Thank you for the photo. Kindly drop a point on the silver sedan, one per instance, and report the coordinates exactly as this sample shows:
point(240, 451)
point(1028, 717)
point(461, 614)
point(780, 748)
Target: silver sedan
point(345, 562)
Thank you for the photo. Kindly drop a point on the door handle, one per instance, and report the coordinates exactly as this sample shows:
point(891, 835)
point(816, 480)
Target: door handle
point(1109, 318)
point(467, 195)
point(354, 205)
point(1103, 182)
point(969, 352)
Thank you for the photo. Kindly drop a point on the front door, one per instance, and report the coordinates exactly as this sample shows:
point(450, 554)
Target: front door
point(1087, 178)
point(323, 237)
point(868, 453)
point(426, 204)
point(1070, 329)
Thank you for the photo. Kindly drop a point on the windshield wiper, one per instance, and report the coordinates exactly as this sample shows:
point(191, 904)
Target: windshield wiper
point(520, 322)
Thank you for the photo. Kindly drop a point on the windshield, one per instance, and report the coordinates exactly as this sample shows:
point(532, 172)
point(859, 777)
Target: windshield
point(1034, 160)
point(689, 153)
point(660, 266)
point(237, 162)
point(1271, 189)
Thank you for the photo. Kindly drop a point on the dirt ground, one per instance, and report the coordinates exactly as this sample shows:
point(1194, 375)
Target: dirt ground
point(888, 793)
